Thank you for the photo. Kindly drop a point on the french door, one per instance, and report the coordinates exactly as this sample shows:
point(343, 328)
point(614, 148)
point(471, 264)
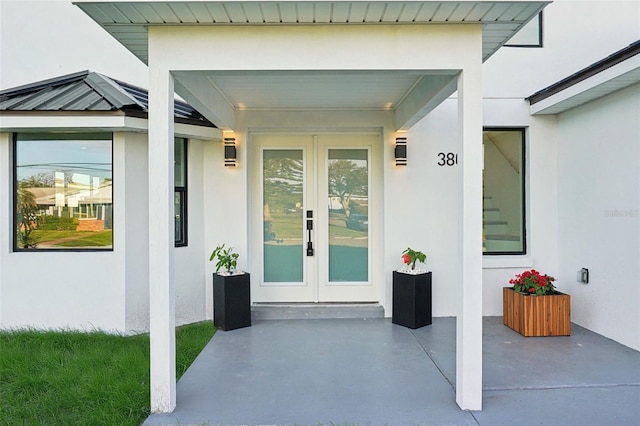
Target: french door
point(315, 220)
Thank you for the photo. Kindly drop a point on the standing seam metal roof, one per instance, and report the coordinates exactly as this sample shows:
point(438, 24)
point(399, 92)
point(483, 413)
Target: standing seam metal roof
point(90, 91)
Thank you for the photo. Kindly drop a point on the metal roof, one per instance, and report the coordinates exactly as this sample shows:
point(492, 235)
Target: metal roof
point(90, 91)
point(128, 21)
point(617, 71)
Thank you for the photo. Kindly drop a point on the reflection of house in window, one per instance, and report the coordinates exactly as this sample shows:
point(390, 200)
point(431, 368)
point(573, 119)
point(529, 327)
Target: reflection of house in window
point(69, 179)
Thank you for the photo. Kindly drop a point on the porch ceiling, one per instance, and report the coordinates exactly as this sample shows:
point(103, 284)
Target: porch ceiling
point(309, 90)
point(410, 95)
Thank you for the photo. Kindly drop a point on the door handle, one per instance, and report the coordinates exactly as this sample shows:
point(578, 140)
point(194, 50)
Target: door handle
point(309, 229)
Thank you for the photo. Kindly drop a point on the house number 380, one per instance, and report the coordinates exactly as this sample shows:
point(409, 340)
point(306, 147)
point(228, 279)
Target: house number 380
point(447, 159)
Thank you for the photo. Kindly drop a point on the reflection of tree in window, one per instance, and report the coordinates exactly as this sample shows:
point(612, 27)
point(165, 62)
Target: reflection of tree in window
point(26, 210)
point(346, 179)
point(283, 176)
point(283, 173)
point(282, 182)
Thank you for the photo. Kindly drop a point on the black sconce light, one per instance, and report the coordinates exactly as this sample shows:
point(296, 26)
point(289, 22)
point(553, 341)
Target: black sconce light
point(230, 152)
point(401, 151)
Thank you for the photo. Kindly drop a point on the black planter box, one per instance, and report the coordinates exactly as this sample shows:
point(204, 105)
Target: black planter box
point(411, 299)
point(231, 301)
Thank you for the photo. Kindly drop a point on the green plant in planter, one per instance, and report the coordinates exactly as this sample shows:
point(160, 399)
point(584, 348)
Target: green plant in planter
point(226, 258)
point(410, 257)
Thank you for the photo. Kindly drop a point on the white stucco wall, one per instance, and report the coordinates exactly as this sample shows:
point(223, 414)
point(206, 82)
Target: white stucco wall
point(48, 38)
point(80, 290)
point(422, 205)
point(225, 210)
point(599, 213)
point(134, 162)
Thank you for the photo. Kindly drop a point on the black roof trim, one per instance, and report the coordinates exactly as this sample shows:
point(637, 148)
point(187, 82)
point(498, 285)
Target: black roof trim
point(593, 69)
point(90, 91)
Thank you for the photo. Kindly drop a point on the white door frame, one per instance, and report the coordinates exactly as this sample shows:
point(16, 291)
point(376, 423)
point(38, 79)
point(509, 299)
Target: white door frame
point(314, 271)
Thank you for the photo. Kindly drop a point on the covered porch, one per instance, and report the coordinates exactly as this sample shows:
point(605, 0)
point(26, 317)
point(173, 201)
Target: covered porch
point(313, 67)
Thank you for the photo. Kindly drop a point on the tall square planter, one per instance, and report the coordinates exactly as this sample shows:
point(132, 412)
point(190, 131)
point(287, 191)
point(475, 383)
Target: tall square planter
point(548, 315)
point(231, 301)
point(411, 299)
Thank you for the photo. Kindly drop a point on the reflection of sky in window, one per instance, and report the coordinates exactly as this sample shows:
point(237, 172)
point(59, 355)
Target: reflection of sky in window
point(91, 157)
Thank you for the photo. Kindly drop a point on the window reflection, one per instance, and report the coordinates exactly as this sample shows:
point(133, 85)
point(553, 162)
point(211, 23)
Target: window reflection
point(348, 175)
point(283, 177)
point(63, 191)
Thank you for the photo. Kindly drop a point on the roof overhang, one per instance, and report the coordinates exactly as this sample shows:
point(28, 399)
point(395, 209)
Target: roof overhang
point(38, 121)
point(220, 95)
point(617, 71)
point(128, 21)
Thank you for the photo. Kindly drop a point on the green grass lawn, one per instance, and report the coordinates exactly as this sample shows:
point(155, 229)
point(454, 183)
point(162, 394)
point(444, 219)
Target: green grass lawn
point(75, 378)
point(90, 239)
point(75, 238)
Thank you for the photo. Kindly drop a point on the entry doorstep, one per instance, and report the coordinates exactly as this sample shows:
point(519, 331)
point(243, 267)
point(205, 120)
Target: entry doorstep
point(279, 311)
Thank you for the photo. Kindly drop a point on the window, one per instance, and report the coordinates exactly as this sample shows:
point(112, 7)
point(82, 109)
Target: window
point(180, 195)
point(503, 192)
point(63, 191)
point(530, 35)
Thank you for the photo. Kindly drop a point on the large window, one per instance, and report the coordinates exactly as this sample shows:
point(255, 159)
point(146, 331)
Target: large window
point(503, 187)
point(180, 195)
point(63, 191)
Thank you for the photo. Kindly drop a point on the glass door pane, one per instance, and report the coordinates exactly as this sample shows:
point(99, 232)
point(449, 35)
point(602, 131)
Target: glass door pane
point(348, 184)
point(283, 232)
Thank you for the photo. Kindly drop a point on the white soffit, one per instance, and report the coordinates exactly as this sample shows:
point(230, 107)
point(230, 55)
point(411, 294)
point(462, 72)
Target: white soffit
point(603, 83)
point(127, 21)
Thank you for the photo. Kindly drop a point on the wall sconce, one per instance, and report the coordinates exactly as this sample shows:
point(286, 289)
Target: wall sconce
point(230, 152)
point(401, 151)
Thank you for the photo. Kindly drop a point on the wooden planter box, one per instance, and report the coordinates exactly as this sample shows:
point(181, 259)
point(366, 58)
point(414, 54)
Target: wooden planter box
point(411, 299)
point(548, 315)
point(231, 301)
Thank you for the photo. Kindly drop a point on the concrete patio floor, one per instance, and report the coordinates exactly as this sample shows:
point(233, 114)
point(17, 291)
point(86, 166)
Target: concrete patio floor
point(372, 372)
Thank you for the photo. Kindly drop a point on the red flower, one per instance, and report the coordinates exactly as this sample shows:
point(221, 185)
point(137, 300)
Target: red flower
point(406, 258)
point(533, 282)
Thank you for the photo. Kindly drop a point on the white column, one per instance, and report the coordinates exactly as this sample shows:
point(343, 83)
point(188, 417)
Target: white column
point(469, 318)
point(161, 241)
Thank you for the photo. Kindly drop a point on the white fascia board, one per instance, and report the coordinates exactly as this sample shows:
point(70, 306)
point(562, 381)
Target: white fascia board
point(547, 106)
point(197, 132)
point(41, 122)
point(181, 130)
point(20, 122)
